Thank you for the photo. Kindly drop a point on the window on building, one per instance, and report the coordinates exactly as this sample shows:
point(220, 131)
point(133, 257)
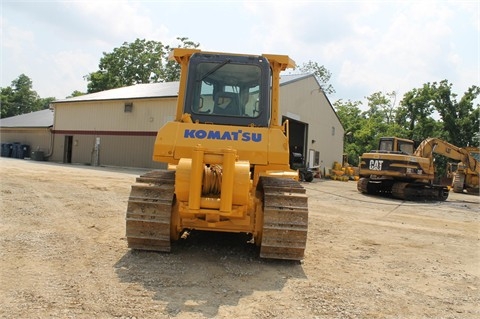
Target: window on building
point(128, 107)
point(333, 130)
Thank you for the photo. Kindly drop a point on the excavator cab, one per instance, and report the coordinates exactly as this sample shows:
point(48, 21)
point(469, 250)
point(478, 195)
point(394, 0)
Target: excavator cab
point(396, 145)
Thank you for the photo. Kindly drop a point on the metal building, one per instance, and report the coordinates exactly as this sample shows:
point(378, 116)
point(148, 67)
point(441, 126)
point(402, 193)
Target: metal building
point(31, 129)
point(315, 129)
point(115, 127)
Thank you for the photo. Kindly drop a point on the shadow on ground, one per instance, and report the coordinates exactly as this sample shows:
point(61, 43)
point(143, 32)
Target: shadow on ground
point(206, 271)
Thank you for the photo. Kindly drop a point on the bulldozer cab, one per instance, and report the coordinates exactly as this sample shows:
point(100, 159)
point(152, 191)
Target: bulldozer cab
point(228, 89)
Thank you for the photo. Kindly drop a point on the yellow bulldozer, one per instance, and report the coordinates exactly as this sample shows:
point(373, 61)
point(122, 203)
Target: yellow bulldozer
point(399, 170)
point(228, 160)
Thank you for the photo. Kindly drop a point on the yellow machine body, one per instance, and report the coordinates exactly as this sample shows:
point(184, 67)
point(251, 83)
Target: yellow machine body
point(265, 148)
point(231, 172)
point(396, 169)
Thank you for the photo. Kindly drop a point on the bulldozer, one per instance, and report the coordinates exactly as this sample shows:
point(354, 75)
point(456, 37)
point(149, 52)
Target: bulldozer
point(228, 160)
point(398, 169)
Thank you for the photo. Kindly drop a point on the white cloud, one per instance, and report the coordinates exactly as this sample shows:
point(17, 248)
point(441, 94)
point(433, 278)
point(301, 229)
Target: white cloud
point(16, 39)
point(410, 50)
point(15, 45)
point(68, 73)
point(369, 46)
point(120, 21)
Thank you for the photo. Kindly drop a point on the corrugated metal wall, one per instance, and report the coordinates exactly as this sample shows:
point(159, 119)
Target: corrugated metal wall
point(145, 115)
point(124, 137)
point(38, 139)
point(124, 151)
point(303, 101)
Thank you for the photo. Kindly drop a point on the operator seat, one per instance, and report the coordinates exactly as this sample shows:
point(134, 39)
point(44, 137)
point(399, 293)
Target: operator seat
point(226, 103)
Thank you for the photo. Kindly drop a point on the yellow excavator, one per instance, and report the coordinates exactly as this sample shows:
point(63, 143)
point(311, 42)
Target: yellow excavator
point(398, 170)
point(228, 160)
point(465, 176)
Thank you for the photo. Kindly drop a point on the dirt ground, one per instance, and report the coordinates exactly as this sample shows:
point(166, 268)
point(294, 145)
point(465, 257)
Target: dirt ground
point(63, 254)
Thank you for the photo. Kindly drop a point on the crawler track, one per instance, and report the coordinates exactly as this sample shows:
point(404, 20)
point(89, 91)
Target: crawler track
point(402, 190)
point(419, 192)
point(377, 187)
point(149, 211)
point(285, 219)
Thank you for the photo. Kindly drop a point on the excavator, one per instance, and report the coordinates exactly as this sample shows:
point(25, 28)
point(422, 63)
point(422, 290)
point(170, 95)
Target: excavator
point(466, 175)
point(397, 170)
point(228, 160)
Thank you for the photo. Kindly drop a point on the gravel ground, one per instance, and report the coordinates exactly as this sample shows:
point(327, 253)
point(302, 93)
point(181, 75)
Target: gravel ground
point(63, 254)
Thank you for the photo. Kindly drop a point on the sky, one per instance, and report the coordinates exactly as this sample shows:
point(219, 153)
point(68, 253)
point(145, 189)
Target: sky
point(368, 46)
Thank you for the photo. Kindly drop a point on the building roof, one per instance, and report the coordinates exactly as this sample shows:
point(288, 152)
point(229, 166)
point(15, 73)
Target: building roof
point(43, 118)
point(138, 91)
point(288, 78)
point(152, 90)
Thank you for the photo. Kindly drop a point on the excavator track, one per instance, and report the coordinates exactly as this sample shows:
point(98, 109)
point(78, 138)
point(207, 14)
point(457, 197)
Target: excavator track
point(374, 187)
point(362, 185)
point(402, 190)
point(149, 211)
point(419, 192)
point(285, 219)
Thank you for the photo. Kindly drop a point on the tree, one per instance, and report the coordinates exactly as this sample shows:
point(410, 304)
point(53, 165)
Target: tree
point(171, 71)
point(460, 120)
point(353, 121)
point(76, 93)
point(6, 95)
point(415, 114)
point(133, 63)
point(44, 103)
point(321, 74)
point(382, 111)
point(20, 98)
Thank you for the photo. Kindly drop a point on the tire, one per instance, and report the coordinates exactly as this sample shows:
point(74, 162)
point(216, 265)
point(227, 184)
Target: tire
point(308, 176)
point(301, 175)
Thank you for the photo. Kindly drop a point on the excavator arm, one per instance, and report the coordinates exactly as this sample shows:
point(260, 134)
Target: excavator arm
point(438, 146)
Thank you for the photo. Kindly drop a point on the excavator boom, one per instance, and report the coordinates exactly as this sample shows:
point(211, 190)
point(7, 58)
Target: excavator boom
point(438, 146)
point(466, 178)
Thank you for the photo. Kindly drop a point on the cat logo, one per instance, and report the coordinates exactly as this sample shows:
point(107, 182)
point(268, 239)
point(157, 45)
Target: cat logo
point(376, 165)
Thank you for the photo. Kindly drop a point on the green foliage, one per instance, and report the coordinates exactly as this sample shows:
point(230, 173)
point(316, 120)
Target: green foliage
point(415, 113)
point(363, 130)
point(133, 63)
point(353, 122)
point(171, 70)
point(20, 98)
point(460, 120)
point(429, 111)
point(6, 103)
point(321, 73)
point(76, 93)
